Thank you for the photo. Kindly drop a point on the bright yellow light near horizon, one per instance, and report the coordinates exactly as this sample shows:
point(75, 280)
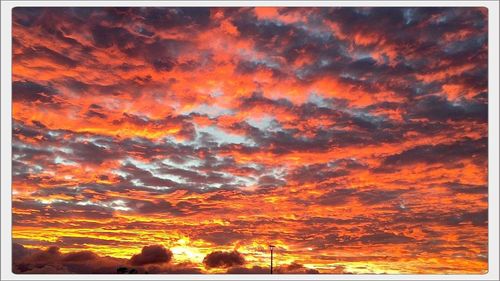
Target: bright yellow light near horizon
point(364, 267)
point(183, 241)
point(189, 254)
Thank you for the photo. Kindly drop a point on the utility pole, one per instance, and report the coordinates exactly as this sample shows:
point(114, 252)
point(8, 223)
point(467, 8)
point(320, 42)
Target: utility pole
point(271, 247)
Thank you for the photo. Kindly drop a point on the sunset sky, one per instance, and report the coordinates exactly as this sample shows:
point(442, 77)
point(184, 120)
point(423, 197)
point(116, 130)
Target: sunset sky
point(186, 140)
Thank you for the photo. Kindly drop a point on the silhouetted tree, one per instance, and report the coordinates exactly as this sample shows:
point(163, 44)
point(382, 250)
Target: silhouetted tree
point(121, 270)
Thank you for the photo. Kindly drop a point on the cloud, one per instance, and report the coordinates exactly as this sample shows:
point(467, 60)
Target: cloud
point(80, 256)
point(476, 218)
point(245, 270)
point(385, 238)
point(221, 235)
point(151, 255)
point(439, 108)
point(223, 259)
point(29, 91)
point(440, 153)
point(52, 56)
point(180, 268)
point(467, 188)
point(317, 173)
point(52, 261)
point(376, 196)
point(295, 268)
point(336, 197)
point(48, 269)
point(152, 259)
point(148, 207)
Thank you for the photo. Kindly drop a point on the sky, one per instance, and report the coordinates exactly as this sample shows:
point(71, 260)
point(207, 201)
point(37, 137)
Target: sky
point(187, 140)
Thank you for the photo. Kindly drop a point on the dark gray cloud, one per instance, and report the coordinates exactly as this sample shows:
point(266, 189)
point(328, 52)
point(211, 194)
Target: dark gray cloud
point(376, 196)
point(222, 236)
point(466, 188)
point(295, 268)
point(438, 108)
point(336, 197)
point(223, 259)
point(245, 270)
point(440, 153)
point(151, 255)
point(29, 91)
point(385, 238)
point(52, 261)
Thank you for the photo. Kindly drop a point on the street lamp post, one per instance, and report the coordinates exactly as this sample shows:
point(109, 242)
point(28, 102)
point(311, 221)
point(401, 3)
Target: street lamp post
point(271, 247)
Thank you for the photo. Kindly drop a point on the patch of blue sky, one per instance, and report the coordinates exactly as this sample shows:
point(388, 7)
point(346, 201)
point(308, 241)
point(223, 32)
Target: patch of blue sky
point(408, 15)
point(171, 177)
point(357, 55)
point(61, 160)
point(120, 173)
point(211, 111)
point(211, 186)
point(257, 59)
point(245, 181)
point(321, 33)
point(153, 169)
point(279, 173)
point(374, 119)
point(66, 150)
point(137, 182)
point(318, 100)
point(119, 204)
point(239, 180)
point(346, 75)
point(51, 149)
point(255, 166)
point(35, 169)
point(97, 141)
point(302, 73)
point(187, 164)
point(324, 62)
point(267, 62)
point(141, 165)
point(266, 122)
point(163, 188)
point(53, 133)
point(222, 137)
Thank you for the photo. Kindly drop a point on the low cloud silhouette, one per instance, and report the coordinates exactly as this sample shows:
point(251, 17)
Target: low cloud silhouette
point(180, 268)
point(295, 268)
point(245, 270)
point(151, 259)
point(51, 260)
point(151, 255)
point(221, 259)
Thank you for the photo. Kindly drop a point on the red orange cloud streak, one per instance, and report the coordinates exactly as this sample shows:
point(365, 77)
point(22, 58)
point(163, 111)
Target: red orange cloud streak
point(353, 139)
